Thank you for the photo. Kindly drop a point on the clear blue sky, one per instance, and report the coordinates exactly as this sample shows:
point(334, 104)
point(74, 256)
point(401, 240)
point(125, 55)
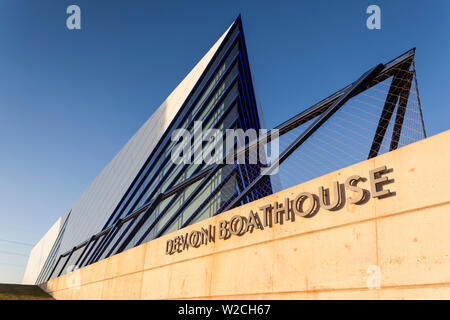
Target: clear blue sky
point(69, 100)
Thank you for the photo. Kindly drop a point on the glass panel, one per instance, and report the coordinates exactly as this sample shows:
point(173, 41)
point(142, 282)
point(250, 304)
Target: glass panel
point(112, 241)
point(59, 267)
point(166, 153)
point(71, 264)
point(142, 230)
point(95, 247)
point(155, 171)
point(84, 259)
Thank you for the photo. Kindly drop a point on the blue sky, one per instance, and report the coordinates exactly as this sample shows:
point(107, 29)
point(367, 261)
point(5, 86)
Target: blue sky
point(69, 100)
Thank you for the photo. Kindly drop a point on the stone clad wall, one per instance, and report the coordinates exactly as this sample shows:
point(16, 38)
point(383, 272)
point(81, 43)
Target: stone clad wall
point(399, 243)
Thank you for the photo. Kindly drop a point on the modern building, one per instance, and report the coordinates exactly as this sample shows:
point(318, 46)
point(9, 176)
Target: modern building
point(219, 93)
point(354, 204)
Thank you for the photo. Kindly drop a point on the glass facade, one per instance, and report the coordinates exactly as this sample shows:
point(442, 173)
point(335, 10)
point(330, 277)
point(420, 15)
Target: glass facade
point(165, 196)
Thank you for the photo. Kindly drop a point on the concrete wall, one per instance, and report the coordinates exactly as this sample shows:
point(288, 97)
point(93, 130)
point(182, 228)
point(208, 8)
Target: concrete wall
point(331, 255)
point(40, 252)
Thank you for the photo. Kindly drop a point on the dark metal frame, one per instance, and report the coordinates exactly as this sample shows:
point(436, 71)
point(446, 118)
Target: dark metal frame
point(338, 103)
point(400, 77)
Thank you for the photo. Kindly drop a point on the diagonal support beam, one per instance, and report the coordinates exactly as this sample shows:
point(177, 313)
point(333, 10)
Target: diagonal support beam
point(401, 110)
point(389, 106)
point(354, 88)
